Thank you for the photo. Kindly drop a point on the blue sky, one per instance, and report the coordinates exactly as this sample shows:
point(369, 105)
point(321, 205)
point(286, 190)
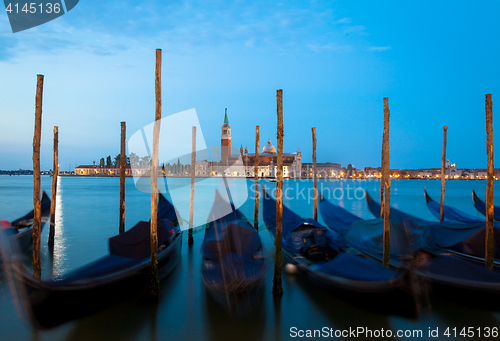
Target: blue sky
point(335, 61)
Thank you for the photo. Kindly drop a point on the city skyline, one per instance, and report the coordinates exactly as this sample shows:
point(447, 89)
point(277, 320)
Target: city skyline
point(333, 62)
point(235, 150)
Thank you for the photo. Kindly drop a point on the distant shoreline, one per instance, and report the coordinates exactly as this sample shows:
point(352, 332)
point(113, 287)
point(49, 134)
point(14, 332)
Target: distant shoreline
point(236, 177)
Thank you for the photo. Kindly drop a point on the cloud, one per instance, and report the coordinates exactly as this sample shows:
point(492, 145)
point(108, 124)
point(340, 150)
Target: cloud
point(250, 42)
point(33, 40)
point(106, 48)
point(356, 29)
point(379, 48)
point(7, 45)
point(125, 66)
point(110, 28)
point(346, 20)
point(329, 47)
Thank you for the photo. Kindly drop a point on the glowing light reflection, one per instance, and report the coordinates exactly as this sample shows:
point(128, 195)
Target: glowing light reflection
point(60, 252)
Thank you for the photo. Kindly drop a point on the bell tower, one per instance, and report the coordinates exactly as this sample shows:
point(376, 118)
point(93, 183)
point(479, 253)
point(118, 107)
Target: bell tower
point(225, 140)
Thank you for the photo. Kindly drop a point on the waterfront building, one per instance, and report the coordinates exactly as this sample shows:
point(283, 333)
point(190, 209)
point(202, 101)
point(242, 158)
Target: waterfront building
point(101, 170)
point(323, 169)
point(202, 168)
point(225, 140)
point(242, 164)
point(452, 171)
point(268, 161)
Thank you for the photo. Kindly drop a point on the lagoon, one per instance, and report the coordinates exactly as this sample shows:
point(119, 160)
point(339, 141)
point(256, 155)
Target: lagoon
point(88, 213)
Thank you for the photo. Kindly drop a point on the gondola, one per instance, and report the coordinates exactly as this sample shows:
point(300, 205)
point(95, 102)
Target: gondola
point(319, 255)
point(233, 265)
point(464, 239)
point(456, 278)
point(122, 273)
point(481, 207)
point(21, 229)
point(450, 213)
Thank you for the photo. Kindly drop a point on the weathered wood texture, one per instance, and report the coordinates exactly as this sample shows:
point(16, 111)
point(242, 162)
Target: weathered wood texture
point(382, 177)
point(53, 195)
point(154, 284)
point(256, 180)
point(387, 186)
point(37, 219)
point(122, 177)
point(277, 285)
point(191, 200)
point(315, 175)
point(443, 174)
point(490, 251)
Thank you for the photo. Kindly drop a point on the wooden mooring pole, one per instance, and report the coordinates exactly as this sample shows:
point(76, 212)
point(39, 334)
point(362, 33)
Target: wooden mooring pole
point(122, 177)
point(443, 175)
point(256, 180)
point(387, 186)
point(382, 177)
point(154, 283)
point(315, 175)
point(53, 196)
point(37, 218)
point(191, 200)
point(490, 251)
point(277, 287)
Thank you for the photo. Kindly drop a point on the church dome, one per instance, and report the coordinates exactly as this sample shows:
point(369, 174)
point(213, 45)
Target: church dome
point(269, 148)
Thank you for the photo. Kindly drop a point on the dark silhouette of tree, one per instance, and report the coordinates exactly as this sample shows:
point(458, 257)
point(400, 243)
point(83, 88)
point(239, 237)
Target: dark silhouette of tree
point(145, 160)
point(108, 161)
point(101, 162)
point(134, 159)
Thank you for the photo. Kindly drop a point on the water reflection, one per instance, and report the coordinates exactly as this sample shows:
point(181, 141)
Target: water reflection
point(457, 315)
point(192, 296)
point(340, 314)
point(357, 207)
point(223, 326)
point(277, 317)
point(125, 321)
point(185, 311)
point(59, 256)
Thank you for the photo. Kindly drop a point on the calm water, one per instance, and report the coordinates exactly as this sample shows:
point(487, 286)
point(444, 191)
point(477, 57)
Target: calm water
point(87, 215)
